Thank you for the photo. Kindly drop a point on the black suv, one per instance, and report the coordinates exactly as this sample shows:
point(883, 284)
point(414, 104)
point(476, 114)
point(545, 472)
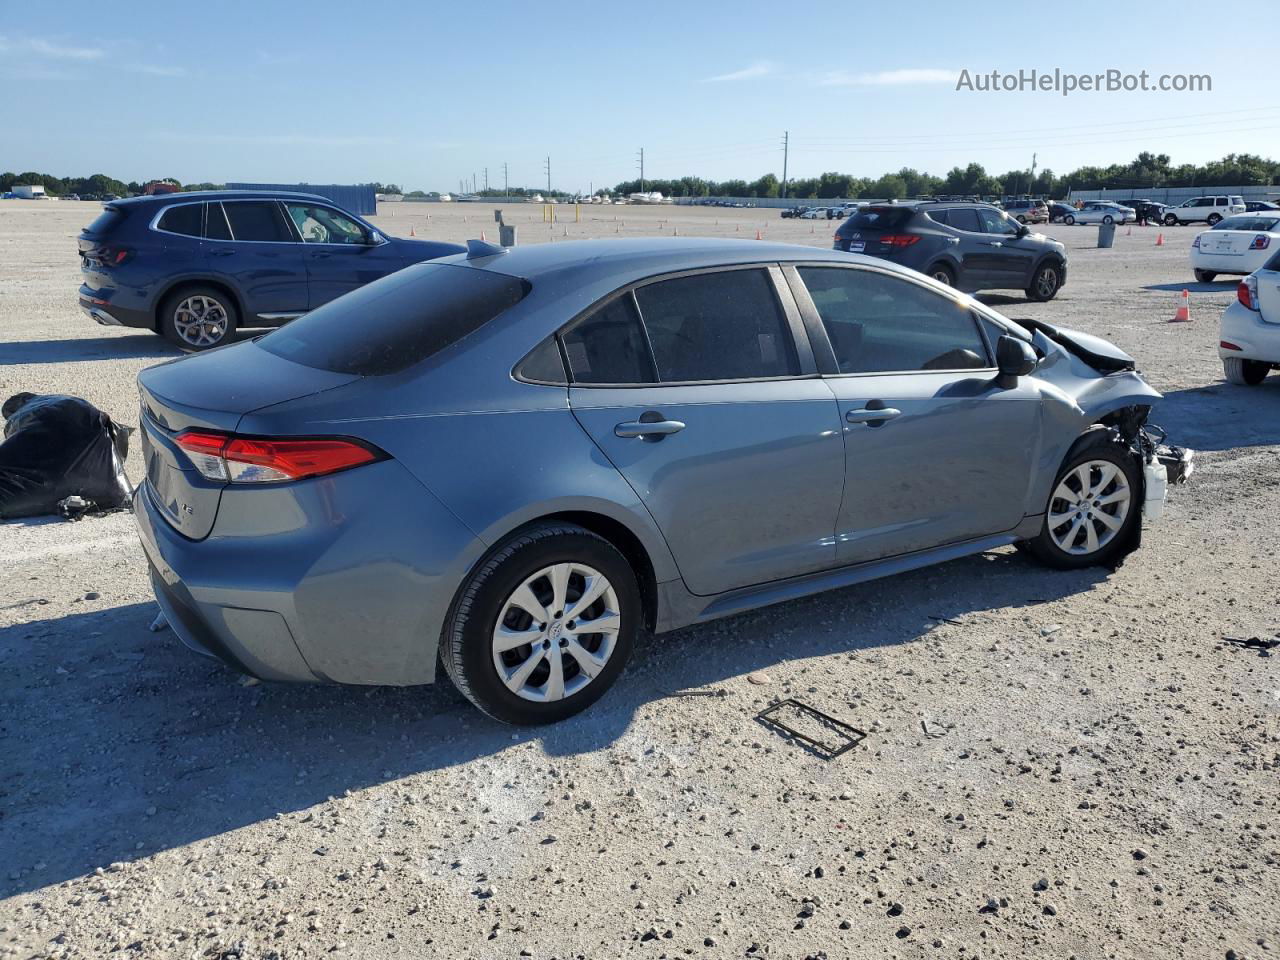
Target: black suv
point(972, 246)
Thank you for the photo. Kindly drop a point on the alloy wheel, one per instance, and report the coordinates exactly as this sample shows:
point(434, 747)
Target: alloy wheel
point(200, 321)
point(556, 632)
point(1089, 507)
point(1047, 282)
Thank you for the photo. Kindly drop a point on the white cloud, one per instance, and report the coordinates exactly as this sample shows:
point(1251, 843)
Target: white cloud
point(47, 49)
point(761, 68)
point(889, 78)
point(157, 71)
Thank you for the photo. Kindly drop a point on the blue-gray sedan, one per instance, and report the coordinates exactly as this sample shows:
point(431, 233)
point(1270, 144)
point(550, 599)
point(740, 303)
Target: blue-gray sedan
point(511, 462)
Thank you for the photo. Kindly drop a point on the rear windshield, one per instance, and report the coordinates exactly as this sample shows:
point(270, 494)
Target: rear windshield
point(1247, 223)
point(397, 321)
point(880, 218)
point(107, 219)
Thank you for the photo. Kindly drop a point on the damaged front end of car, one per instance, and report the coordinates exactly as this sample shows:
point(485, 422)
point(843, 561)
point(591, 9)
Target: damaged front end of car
point(1095, 387)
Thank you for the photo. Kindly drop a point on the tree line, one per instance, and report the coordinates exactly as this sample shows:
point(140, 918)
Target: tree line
point(1147, 170)
point(1144, 171)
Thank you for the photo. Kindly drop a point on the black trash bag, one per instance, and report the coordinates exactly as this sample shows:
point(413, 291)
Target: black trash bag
point(57, 447)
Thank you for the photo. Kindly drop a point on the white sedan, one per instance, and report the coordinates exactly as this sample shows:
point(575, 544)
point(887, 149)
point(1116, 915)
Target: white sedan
point(1249, 335)
point(1239, 244)
point(1101, 211)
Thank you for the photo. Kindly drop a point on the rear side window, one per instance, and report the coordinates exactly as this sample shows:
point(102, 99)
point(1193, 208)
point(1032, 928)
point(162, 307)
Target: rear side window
point(257, 220)
point(391, 324)
point(883, 324)
point(965, 218)
point(939, 216)
point(609, 346)
point(185, 219)
point(717, 326)
point(215, 224)
point(880, 218)
point(106, 221)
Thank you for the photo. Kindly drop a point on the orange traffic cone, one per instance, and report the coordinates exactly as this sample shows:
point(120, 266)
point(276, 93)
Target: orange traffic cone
point(1183, 313)
point(758, 236)
point(483, 238)
point(1159, 239)
point(1129, 232)
point(413, 232)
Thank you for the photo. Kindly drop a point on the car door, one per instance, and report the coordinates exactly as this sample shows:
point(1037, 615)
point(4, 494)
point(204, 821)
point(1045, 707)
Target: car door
point(973, 249)
point(251, 247)
point(935, 451)
point(1011, 255)
point(340, 253)
point(701, 390)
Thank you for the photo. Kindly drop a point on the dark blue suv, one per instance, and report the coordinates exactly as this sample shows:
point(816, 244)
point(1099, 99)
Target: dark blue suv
point(195, 266)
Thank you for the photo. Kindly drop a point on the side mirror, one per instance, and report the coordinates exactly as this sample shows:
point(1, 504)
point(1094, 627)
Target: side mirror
point(373, 238)
point(1014, 358)
point(1023, 230)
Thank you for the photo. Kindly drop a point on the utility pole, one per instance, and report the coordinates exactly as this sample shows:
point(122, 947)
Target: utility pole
point(1033, 173)
point(548, 178)
point(486, 179)
point(642, 169)
point(506, 186)
point(786, 143)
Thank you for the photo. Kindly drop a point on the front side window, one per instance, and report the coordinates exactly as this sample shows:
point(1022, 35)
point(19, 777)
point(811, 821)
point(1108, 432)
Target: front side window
point(879, 323)
point(717, 326)
point(323, 225)
point(609, 346)
point(257, 221)
point(993, 221)
point(185, 219)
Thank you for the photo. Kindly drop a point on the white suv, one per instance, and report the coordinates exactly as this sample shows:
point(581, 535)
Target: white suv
point(1203, 210)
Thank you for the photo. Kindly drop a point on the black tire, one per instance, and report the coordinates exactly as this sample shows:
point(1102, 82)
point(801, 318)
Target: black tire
point(467, 644)
point(1170, 220)
point(1069, 220)
point(1096, 445)
point(1108, 219)
point(1045, 283)
point(1205, 276)
point(1022, 220)
point(1245, 373)
point(217, 303)
point(943, 274)
point(1214, 219)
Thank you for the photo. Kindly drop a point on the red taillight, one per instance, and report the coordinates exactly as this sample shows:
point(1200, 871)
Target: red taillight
point(1247, 293)
point(114, 256)
point(1260, 242)
point(1227, 345)
point(231, 459)
point(899, 240)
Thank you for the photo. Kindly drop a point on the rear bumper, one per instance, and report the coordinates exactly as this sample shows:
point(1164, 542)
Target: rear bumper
point(105, 307)
point(1240, 264)
point(1245, 328)
point(343, 579)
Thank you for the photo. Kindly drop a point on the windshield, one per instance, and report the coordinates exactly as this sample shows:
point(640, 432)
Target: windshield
point(393, 323)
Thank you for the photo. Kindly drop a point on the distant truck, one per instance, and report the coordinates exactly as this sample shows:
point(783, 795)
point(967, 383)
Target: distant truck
point(28, 191)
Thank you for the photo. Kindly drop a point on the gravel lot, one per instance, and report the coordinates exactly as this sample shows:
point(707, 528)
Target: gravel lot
point(1056, 764)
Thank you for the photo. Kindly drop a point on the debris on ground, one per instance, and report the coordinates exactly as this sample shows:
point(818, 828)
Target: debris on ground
point(60, 450)
point(819, 732)
point(1257, 643)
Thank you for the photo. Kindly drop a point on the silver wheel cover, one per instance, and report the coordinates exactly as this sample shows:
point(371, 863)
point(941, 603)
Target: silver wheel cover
point(200, 321)
point(1089, 507)
point(556, 632)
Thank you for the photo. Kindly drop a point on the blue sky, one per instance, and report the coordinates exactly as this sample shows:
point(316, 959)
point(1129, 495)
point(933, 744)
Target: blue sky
point(426, 94)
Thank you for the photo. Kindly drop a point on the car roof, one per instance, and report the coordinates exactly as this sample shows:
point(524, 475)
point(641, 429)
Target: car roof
point(195, 195)
point(621, 260)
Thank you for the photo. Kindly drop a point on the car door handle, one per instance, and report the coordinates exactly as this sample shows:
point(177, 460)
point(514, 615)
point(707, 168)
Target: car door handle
point(867, 415)
point(221, 252)
point(647, 429)
point(994, 243)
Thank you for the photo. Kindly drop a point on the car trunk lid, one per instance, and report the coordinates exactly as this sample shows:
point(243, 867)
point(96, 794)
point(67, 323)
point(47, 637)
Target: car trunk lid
point(210, 391)
point(1268, 283)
